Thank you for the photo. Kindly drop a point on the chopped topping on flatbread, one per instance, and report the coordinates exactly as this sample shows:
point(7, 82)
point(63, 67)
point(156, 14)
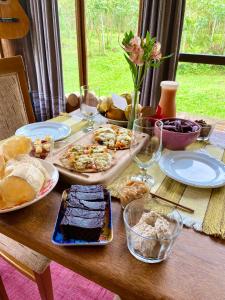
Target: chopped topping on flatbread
point(87, 158)
point(113, 137)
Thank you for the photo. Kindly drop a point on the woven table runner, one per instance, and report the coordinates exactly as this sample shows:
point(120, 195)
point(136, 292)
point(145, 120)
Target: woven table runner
point(208, 204)
point(76, 123)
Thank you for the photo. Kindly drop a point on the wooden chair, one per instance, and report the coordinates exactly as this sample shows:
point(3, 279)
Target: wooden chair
point(15, 104)
point(30, 263)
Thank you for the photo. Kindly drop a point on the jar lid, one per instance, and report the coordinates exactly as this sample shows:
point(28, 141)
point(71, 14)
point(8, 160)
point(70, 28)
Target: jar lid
point(169, 84)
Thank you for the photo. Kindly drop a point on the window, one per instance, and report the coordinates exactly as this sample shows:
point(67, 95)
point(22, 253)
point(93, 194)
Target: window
point(202, 60)
point(106, 22)
point(202, 86)
point(67, 24)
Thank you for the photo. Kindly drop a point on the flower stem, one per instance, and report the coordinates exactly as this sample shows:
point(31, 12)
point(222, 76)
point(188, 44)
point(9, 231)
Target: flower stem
point(137, 85)
point(134, 109)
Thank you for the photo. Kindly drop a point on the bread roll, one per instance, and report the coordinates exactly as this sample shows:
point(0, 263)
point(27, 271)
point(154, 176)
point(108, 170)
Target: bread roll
point(24, 158)
point(15, 146)
point(116, 114)
point(105, 104)
point(73, 99)
point(15, 191)
point(21, 184)
point(2, 166)
point(128, 97)
point(30, 174)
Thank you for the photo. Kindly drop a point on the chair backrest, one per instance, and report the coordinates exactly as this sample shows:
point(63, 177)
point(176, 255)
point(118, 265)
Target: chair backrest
point(15, 104)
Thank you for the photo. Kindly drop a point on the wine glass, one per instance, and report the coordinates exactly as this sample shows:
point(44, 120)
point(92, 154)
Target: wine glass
point(146, 147)
point(88, 104)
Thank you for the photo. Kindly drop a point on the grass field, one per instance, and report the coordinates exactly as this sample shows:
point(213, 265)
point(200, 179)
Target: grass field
point(201, 91)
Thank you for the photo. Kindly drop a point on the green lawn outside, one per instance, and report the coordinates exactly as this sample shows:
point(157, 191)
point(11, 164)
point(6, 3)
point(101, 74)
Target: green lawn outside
point(201, 91)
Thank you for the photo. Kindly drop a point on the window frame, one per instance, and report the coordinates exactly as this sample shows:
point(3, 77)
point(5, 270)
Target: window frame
point(81, 41)
point(202, 59)
point(82, 45)
point(81, 38)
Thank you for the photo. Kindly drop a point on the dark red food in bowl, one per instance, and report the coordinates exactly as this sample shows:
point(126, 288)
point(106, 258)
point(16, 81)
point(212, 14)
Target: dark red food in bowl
point(178, 133)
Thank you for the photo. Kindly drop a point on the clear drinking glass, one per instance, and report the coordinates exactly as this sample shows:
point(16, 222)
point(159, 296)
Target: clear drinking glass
point(155, 248)
point(89, 98)
point(146, 143)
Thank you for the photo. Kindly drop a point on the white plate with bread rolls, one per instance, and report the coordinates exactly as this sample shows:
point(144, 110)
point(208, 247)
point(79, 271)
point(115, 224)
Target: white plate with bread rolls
point(24, 180)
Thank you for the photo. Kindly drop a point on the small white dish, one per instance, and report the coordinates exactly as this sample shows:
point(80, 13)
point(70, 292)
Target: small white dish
point(45, 190)
point(58, 131)
point(193, 168)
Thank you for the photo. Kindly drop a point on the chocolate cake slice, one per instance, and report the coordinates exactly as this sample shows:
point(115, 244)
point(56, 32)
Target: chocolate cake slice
point(89, 205)
point(97, 196)
point(84, 213)
point(86, 188)
point(81, 228)
point(88, 193)
point(87, 196)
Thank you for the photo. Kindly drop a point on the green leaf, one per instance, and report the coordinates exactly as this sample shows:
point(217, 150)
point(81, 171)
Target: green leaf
point(155, 64)
point(148, 37)
point(168, 56)
point(127, 38)
point(147, 47)
point(132, 66)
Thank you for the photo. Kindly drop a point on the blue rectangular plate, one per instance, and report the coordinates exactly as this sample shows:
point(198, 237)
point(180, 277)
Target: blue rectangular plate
point(105, 237)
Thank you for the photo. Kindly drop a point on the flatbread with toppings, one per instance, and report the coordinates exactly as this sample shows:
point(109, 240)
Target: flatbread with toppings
point(113, 137)
point(87, 158)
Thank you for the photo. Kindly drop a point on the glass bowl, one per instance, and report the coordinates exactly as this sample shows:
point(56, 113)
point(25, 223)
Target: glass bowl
point(132, 190)
point(206, 131)
point(154, 243)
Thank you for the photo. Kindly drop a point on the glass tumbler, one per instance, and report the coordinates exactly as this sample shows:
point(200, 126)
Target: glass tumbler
point(150, 249)
point(89, 98)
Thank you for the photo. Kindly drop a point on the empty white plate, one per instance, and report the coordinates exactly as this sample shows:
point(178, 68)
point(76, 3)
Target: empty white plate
point(193, 168)
point(57, 131)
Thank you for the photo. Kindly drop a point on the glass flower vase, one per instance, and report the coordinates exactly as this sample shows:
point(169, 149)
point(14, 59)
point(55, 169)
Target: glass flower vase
point(134, 113)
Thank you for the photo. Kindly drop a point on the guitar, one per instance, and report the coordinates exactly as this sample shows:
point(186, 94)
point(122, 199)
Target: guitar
point(14, 23)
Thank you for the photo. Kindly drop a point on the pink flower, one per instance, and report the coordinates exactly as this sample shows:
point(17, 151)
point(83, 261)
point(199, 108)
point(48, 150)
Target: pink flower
point(133, 45)
point(135, 51)
point(137, 57)
point(156, 52)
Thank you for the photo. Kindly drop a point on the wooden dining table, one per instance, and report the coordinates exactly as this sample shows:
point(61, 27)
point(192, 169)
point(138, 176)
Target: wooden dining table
point(195, 269)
